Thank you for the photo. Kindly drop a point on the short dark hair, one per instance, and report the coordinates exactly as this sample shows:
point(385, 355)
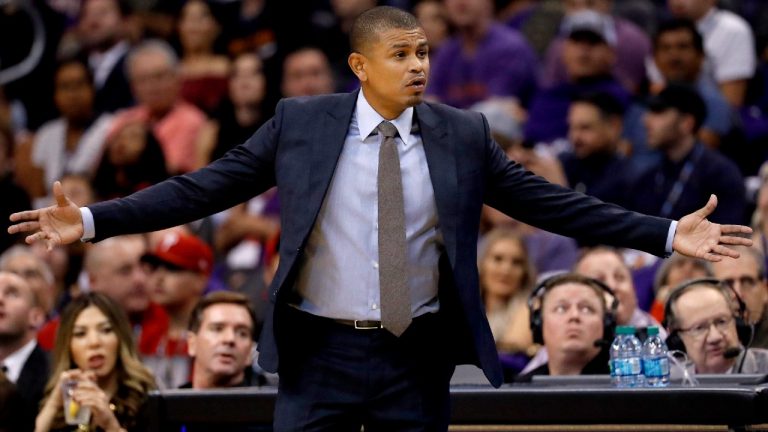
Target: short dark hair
point(221, 297)
point(682, 97)
point(608, 105)
point(374, 21)
point(676, 24)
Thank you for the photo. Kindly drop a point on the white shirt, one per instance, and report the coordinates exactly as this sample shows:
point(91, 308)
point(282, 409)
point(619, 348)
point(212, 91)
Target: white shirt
point(15, 362)
point(102, 63)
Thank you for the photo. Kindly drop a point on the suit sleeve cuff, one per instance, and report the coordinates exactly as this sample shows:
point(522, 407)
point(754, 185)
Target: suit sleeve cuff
point(670, 237)
point(89, 228)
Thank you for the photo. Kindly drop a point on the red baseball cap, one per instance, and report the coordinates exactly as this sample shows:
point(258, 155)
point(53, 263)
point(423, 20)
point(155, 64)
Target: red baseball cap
point(185, 251)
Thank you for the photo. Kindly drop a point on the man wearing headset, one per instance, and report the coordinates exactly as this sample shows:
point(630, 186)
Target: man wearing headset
point(705, 318)
point(570, 316)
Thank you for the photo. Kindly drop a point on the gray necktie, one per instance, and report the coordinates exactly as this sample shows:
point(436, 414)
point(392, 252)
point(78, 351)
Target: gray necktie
point(395, 296)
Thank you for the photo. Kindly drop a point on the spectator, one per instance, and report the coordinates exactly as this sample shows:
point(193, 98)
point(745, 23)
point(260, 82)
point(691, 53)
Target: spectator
point(728, 43)
point(14, 196)
point(434, 20)
point(537, 20)
point(94, 347)
point(154, 74)
point(204, 73)
point(306, 72)
point(568, 314)
point(589, 53)
point(132, 160)
point(222, 341)
point(674, 271)
point(484, 60)
point(689, 172)
point(631, 45)
point(180, 266)
point(72, 143)
point(506, 280)
point(22, 360)
point(22, 261)
point(102, 32)
point(595, 165)
point(701, 318)
point(746, 276)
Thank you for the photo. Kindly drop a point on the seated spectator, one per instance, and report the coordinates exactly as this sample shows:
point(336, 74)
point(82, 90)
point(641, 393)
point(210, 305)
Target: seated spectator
point(595, 165)
point(675, 271)
point(204, 72)
point(132, 161)
point(14, 196)
point(484, 60)
point(569, 316)
point(689, 172)
point(72, 143)
point(179, 267)
point(537, 20)
point(94, 347)
point(632, 45)
point(433, 18)
point(21, 260)
point(678, 51)
point(221, 342)
point(506, 279)
point(589, 53)
point(746, 275)
point(22, 360)
point(701, 317)
point(307, 72)
point(728, 43)
point(153, 70)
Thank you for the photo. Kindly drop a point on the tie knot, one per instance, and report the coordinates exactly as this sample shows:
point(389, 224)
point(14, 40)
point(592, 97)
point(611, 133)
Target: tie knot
point(387, 129)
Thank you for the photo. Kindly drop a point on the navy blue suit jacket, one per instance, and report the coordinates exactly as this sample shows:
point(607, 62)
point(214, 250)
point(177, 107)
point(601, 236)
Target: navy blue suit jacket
point(298, 149)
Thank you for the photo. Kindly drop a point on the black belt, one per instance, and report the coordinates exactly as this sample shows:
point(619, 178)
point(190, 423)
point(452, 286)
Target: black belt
point(360, 324)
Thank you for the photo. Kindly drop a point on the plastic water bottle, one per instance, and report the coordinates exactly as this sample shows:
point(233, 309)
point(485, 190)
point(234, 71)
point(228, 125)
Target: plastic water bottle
point(655, 360)
point(626, 359)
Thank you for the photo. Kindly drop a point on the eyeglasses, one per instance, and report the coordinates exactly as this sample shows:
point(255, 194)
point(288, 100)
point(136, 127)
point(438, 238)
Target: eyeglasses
point(698, 331)
point(745, 282)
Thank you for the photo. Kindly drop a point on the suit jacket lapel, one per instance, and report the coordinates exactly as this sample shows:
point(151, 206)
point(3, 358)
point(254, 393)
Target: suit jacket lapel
point(441, 161)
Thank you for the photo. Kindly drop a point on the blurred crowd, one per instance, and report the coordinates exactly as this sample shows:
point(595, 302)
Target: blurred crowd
point(653, 105)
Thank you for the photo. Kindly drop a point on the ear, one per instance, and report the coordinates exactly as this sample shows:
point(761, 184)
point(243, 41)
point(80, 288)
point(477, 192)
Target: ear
point(36, 318)
point(191, 344)
point(357, 62)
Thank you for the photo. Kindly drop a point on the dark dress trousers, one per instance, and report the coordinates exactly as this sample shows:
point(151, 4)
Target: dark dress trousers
point(297, 150)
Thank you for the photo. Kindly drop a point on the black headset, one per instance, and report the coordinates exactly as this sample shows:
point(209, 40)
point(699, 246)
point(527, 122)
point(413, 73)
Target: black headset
point(536, 299)
point(744, 330)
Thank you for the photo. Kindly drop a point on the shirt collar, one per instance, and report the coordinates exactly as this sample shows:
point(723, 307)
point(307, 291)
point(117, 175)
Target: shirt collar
point(368, 119)
point(15, 362)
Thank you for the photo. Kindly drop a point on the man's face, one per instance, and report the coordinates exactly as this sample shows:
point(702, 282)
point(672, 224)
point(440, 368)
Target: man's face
point(468, 13)
point(691, 9)
point(19, 315)
point(583, 59)
point(393, 70)
point(663, 128)
point(32, 271)
point(100, 24)
point(707, 328)
point(122, 276)
point(307, 73)
point(173, 288)
point(677, 57)
point(223, 344)
point(572, 316)
point(154, 81)
point(589, 132)
point(73, 92)
point(743, 275)
point(608, 268)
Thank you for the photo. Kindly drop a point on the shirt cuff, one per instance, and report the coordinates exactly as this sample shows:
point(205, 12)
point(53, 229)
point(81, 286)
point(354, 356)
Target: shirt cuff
point(670, 237)
point(89, 228)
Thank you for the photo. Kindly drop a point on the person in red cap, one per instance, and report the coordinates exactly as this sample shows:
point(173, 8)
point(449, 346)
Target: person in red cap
point(179, 267)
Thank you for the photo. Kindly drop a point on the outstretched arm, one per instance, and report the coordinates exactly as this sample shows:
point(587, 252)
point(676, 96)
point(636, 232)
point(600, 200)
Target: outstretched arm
point(58, 224)
point(699, 238)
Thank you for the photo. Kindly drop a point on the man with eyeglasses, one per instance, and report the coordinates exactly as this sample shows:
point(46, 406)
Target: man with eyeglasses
point(746, 275)
point(703, 315)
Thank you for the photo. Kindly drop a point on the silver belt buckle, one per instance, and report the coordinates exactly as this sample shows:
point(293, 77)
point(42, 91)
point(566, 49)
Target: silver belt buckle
point(359, 325)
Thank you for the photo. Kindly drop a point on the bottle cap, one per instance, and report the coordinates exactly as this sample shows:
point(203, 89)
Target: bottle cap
point(652, 330)
point(625, 330)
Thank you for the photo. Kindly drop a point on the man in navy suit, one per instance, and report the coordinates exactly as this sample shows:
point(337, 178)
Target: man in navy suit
point(339, 366)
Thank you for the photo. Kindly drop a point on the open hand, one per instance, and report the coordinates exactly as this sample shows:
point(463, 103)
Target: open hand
point(58, 224)
point(699, 238)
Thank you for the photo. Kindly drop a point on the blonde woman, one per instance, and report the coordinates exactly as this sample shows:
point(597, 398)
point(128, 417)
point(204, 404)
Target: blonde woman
point(95, 348)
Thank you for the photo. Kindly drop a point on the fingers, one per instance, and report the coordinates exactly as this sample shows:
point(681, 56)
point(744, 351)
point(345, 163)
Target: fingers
point(58, 193)
point(24, 227)
point(735, 229)
point(25, 216)
point(735, 241)
point(708, 208)
point(725, 251)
